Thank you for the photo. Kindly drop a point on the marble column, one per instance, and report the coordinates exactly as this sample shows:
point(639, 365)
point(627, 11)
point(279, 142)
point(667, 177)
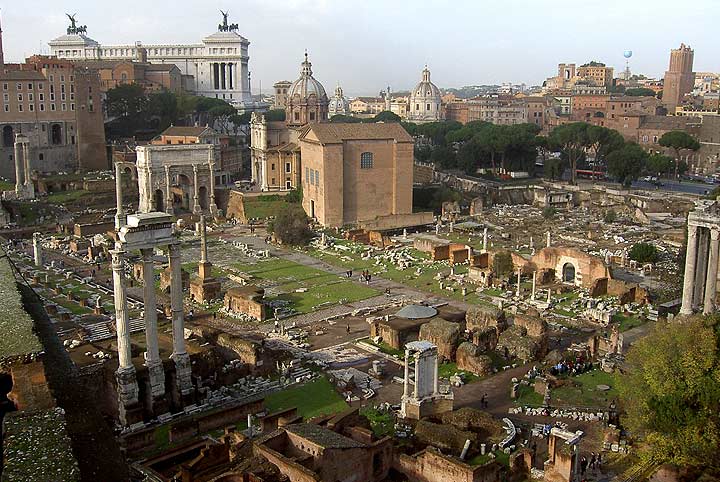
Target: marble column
point(119, 214)
point(689, 278)
point(203, 239)
point(534, 285)
point(547, 241)
point(406, 384)
point(19, 168)
point(196, 191)
point(125, 375)
point(712, 272)
point(37, 250)
point(180, 356)
point(485, 238)
point(152, 353)
point(517, 294)
point(26, 163)
point(168, 192)
point(703, 248)
point(211, 167)
point(417, 375)
point(436, 368)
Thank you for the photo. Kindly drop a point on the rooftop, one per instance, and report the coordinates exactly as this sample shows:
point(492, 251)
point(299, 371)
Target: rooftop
point(322, 436)
point(336, 133)
point(188, 131)
point(416, 312)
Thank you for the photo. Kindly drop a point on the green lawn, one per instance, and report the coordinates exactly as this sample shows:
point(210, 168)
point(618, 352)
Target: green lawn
point(262, 207)
point(321, 289)
point(527, 396)
point(446, 370)
point(500, 457)
point(628, 322)
point(385, 348)
point(312, 399)
point(586, 394)
point(382, 423)
point(66, 196)
point(7, 186)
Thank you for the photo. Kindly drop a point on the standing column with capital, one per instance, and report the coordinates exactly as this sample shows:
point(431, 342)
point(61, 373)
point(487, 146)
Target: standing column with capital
point(712, 272)
point(183, 370)
point(29, 187)
point(119, 214)
point(19, 168)
point(125, 375)
point(37, 250)
point(701, 263)
point(534, 285)
point(211, 167)
point(168, 192)
point(152, 354)
point(436, 368)
point(406, 384)
point(689, 278)
point(196, 191)
point(416, 391)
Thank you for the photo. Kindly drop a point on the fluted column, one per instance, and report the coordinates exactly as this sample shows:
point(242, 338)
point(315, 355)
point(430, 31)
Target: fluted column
point(180, 356)
point(196, 191)
point(37, 250)
point(127, 382)
point(406, 385)
point(119, 214)
point(435, 376)
point(152, 354)
point(26, 162)
point(19, 181)
point(211, 167)
point(689, 278)
point(417, 375)
point(712, 272)
point(168, 193)
point(534, 285)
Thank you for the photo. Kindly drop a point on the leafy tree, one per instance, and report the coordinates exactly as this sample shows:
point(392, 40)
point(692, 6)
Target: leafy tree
point(627, 163)
point(126, 100)
point(275, 115)
point(553, 168)
point(602, 141)
point(294, 196)
point(443, 157)
point(671, 394)
point(291, 225)
point(659, 164)
point(640, 92)
point(610, 216)
point(678, 141)
point(572, 140)
point(386, 116)
point(347, 119)
point(548, 212)
point(502, 264)
point(644, 253)
point(422, 153)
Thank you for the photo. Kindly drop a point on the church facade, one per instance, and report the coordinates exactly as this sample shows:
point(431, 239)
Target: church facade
point(216, 67)
point(425, 104)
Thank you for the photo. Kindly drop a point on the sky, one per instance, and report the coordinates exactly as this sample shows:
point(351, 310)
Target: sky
point(366, 45)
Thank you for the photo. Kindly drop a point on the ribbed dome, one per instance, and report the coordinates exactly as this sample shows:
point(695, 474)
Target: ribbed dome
point(426, 88)
point(306, 85)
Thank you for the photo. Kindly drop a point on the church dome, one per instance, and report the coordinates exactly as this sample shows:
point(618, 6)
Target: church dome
point(306, 85)
point(425, 101)
point(338, 104)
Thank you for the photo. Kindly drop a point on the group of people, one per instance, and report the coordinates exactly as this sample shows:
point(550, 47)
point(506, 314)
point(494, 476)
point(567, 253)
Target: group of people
point(364, 276)
point(593, 463)
point(571, 367)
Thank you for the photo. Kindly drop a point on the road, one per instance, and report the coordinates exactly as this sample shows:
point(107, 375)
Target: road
point(672, 185)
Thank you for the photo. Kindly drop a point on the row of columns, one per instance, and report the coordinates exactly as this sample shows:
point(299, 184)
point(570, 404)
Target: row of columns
point(126, 374)
point(701, 269)
point(223, 75)
point(23, 183)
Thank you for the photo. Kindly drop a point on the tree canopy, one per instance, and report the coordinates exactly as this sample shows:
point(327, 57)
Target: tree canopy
point(678, 141)
point(640, 92)
point(291, 225)
point(571, 139)
point(626, 164)
point(644, 253)
point(502, 264)
point(659, 164)
point(671, 392)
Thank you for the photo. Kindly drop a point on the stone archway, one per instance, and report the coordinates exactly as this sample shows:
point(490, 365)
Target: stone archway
point(203, 197)
point(185, 185)
point(568, 273)
point(159, 201)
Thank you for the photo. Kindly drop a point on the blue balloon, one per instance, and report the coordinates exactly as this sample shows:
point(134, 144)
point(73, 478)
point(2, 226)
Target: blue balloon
point(627, 54)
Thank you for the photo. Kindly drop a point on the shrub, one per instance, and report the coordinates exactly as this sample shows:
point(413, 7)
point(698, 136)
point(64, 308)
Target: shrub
point(644, 253)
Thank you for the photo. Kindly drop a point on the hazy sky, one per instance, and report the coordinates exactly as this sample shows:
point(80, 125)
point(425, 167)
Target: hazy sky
point(368, 44)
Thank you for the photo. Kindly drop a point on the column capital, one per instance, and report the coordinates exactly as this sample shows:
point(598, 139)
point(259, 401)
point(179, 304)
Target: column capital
point(715, 233)
point(692, 230)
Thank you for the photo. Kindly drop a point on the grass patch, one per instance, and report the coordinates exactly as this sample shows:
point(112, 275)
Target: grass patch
point(527, 396)
point(382, 423)
point(584, 393)
point(263, 207)
point(312, 399)
point(627, 322)
point(387, 349)
point(7, 186)
point(500, 457)
point(66, 196)
point(321, 289)
point(446, 370)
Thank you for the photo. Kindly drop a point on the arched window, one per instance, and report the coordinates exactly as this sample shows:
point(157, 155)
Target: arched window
point(366, 160)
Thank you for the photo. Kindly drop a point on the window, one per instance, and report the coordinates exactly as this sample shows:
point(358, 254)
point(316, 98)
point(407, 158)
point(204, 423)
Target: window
point(312, 116)
point(31, 97)
point(20, 97)
point(32, 107)
point(366, 160)
point(297, 116)
point(20, 107)
point(5, 87)
point(42, 107)
point(30, 86)
point(41, 86)
point(19, 87)
point(287, 167)
point(427, 106)
point(7, 108)
point(307, 175)
point(52, 107)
